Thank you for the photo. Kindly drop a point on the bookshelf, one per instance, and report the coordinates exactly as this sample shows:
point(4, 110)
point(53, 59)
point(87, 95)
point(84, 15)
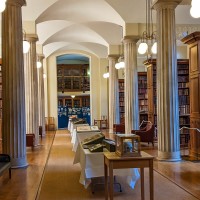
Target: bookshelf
point(0, 104)
point(78, 101)
point(73, 78)
point(121, 100)
point(183, 91)
point(142, 97)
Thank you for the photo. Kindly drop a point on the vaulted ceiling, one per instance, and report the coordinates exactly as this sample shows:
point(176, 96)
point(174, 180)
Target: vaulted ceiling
point(89, 25)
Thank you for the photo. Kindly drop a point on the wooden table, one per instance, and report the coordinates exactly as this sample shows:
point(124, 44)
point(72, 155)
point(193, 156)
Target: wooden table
point(113, 161)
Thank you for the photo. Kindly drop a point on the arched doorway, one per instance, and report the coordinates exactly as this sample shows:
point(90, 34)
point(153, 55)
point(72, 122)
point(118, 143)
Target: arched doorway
point(73, 88)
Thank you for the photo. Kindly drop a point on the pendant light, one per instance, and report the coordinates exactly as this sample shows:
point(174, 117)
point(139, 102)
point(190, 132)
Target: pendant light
point(2, 5)
point(26, 44)
point(121, 64)
point(148, 43)
point(194, 10)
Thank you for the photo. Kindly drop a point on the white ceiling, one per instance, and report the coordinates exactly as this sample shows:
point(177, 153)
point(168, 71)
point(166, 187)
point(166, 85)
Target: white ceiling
point(89, 25)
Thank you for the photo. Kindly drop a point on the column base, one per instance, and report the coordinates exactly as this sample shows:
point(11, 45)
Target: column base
point(169, 156)
point(19, 163)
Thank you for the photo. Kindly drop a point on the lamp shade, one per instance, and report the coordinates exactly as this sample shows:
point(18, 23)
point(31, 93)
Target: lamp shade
point(2, 5)
point(142, 48)
point(195, 3)
point(117, 66)
point(26, 46)
point(194, 11)
point(154, 48)
point(106, 75)
point(39, 64)
point(121, 64)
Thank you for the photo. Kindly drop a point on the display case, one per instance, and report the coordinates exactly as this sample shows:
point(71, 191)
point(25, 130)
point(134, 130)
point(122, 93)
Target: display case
point(128, 145)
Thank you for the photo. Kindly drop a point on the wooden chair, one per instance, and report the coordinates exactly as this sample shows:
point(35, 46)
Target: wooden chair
point(30, 140)
point(146, 134)
point(119, 128)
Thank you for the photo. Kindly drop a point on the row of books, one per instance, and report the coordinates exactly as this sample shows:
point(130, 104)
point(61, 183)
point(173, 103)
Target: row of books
point(184, 109)
point(143, 102)
point(183, 85)
point(183, 91)
point(184, 71)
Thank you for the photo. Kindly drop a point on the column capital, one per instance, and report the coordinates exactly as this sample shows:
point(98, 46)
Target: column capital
point(160, 4)
point(31, 37)
point(40, 56)
point(130, 39)
point(113, 57)
point(16, 2)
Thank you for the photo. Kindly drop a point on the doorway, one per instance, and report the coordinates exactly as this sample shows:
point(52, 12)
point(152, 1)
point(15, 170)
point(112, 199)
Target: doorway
point(73, 88)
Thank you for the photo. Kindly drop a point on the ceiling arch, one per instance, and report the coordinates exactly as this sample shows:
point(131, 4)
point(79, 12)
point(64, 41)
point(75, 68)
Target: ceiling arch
point(76, 11)
point(95, 49)
point(76, 33)
point(75, 23)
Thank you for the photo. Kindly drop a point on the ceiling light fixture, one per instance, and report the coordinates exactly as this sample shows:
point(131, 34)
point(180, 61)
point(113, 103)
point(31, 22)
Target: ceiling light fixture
point(39, 63)
point(2, 5)
point(148, 43)
point(194, 10)
point(106, 74)
point(72, 96)
point(121, 64)
point(26, 44)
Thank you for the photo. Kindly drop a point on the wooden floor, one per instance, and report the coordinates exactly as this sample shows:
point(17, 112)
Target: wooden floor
point(173, 180)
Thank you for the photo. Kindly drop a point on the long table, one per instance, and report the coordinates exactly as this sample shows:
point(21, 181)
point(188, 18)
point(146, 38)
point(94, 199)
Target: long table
point(92, 165)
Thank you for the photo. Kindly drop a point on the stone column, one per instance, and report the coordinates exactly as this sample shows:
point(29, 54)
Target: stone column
point(41, 104)
point(113, 93)
point(14, 124)
point(31, 88)
point(167, 82)
point(131, 84)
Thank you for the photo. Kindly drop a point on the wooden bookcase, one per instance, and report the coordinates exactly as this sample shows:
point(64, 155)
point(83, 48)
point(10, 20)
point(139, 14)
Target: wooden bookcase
point(73, 78)
point(0, 105)
point(78, 101)
point(121, 100)
point(142, 97)
point(183, 91)
point(193, 42)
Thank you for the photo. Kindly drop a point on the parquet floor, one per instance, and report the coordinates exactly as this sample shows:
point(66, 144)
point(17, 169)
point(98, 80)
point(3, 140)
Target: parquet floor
point(59, 180)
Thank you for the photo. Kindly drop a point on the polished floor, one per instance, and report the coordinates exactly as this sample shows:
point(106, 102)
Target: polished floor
point(51, 175)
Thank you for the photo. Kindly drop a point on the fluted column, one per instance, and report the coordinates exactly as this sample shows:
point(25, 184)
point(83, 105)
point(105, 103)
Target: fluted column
point(14, 140)
point(167, 82)
point(31, 88)
point(41, 104)
point(113, 93)
point(131, 84)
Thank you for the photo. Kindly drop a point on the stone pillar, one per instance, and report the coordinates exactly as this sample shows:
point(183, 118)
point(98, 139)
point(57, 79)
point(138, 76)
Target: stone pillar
point(113, 93)
point(131, 84)
point(14, 124)
point(167, 82)
point(31, 88)
point(41, 103)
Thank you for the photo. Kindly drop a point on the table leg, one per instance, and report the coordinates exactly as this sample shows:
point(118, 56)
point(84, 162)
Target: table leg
point(111, 180)
point(151, 180)
point(142, 183)
point(106, 180)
